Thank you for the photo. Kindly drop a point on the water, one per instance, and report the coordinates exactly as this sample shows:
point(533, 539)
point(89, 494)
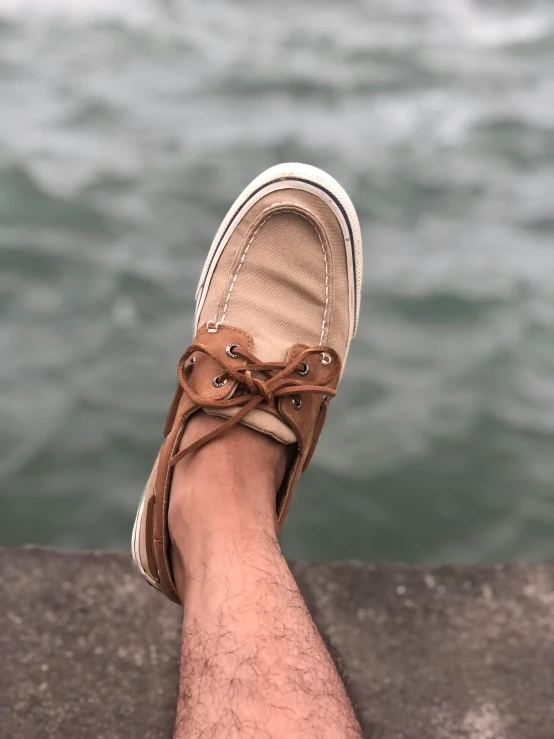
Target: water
point(128, 128)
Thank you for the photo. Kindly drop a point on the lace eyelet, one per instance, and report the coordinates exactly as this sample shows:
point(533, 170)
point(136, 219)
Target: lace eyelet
point(297, 403)
point(217, 382)
point(326, 358)
point(303, 369)
point(230, 353)
point(212, 327)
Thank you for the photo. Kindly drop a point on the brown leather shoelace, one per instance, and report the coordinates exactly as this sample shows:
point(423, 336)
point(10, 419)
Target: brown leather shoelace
point(283, 380)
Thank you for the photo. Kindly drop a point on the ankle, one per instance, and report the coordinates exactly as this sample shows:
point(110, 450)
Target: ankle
point(225, 491)
point(215, 499)
point(233, 475)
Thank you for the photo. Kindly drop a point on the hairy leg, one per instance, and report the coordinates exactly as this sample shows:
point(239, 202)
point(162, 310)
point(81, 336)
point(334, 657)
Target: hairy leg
point(253, 664)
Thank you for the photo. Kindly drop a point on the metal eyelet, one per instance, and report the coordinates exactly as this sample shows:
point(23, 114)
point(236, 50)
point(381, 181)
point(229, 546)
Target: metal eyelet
point(217, 382)
point(326, 358)
point(230, 353)
point(297, 403)
point(303, 369)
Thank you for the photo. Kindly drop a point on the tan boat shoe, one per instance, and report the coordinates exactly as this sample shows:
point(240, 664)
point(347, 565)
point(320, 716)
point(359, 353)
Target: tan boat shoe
point(276, 308)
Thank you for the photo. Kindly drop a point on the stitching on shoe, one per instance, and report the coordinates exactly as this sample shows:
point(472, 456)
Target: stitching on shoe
point(326, 286)
point(265, 220)
point(232, 285)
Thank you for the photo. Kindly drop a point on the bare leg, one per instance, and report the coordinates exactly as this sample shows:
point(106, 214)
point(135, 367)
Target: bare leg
point(253, 663)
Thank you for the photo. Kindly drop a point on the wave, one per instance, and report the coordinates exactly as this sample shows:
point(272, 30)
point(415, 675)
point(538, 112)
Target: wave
point(133, 12)
point(444, 22)
point(498, 27)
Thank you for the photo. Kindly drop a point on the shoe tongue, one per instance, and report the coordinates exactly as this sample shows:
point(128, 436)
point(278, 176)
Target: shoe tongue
point(259, 420)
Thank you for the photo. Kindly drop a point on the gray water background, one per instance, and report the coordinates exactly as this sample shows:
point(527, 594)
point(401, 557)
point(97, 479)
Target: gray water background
point(126, 130)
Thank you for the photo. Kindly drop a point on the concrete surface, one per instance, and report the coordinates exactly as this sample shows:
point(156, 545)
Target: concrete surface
point(88, 651)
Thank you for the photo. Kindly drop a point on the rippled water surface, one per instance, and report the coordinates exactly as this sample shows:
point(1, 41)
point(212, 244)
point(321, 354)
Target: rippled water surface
point(127, 129)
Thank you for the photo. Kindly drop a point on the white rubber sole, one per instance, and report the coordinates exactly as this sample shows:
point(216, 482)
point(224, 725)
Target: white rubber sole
point(282, 176)
point(135, 544)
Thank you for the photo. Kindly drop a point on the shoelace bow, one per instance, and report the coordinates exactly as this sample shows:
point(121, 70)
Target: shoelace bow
point(255, 391)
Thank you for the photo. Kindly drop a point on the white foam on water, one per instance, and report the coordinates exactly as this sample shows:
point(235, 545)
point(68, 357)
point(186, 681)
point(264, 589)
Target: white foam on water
point(132, 12)
point(454, 19)
point(493, 28)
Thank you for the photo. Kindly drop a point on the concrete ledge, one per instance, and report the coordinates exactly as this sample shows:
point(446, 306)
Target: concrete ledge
point(89, 651)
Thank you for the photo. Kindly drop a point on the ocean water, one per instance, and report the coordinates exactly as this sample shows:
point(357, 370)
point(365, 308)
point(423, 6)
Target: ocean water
point(126, 130)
